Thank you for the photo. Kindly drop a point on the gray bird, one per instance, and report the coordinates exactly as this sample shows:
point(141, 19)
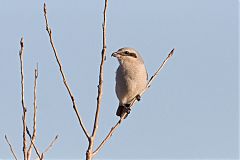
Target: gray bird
point(131, 78)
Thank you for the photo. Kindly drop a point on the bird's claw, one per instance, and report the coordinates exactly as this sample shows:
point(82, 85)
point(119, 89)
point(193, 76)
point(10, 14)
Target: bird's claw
point(138, 97)
point(127, 109)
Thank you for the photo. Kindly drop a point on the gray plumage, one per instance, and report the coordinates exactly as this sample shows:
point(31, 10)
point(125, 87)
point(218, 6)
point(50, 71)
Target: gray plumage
point(131, 77)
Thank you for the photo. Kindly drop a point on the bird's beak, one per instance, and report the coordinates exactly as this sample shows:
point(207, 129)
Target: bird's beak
point(114, 54)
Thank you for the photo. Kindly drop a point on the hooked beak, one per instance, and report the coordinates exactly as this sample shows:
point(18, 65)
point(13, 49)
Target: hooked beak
point(114, 54)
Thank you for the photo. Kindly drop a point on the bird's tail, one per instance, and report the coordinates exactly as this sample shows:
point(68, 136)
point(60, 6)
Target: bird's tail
point(120, 111)
point(123, 109)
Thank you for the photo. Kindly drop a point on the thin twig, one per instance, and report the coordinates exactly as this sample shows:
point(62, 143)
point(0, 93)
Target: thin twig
point(41, 155)
point(50, 145)
point(89, 153)
point(24, 117)
point(10, 146)
point(41, 158)
point(34, 146)
point(132, 104)
point(34, 113)
point(62, 73)
point(108, 136)
point(100, 82)
point(159, 69)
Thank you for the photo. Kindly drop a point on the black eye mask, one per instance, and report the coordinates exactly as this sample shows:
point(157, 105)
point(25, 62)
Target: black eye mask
point(126, 53)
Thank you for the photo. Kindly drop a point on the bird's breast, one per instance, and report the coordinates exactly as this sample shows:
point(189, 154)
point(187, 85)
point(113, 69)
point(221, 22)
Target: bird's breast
point(130, 81)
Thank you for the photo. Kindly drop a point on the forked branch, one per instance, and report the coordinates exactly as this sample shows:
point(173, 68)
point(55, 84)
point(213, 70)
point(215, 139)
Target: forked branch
point(62, 73)
point(33, 144)
point(132, 104)
point(27, 152)
point(41, 155)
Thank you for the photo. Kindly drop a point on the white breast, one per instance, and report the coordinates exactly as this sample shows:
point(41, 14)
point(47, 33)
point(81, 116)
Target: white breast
point(131, 79)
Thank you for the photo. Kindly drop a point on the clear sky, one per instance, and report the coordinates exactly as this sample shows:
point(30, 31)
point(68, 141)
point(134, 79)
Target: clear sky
point(191, 110)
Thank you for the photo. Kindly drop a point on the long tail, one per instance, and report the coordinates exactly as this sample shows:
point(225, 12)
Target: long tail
point(120, 111)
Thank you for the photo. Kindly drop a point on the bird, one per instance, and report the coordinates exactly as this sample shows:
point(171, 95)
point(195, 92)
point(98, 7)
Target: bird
point(131, 78)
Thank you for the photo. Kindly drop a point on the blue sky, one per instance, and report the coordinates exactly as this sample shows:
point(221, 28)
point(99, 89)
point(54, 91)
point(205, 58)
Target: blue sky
point(191, 110)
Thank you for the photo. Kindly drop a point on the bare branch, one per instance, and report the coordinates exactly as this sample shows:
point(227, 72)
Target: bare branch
point(108, 136)
point(32, 143)
point(62, 73)
point(50, 145)
point(159, 69)
point(41, 155)
point(33, 138)
point(100, 85)
point(24, 117)
point(10, 146)
point(89, 153)
point(132, 104)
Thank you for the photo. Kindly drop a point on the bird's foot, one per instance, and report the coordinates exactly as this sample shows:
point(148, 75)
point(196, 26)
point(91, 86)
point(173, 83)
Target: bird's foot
point(138, 97)
point(127, 108)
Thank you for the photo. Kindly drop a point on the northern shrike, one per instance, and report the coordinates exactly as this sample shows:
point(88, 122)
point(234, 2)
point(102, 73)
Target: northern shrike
point(131, 78)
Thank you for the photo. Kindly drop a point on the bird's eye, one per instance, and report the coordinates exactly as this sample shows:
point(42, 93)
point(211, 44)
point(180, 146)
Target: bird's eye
point(126, 52)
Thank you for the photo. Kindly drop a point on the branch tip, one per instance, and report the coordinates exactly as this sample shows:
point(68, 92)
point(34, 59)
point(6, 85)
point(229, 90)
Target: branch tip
point(171, 53)
point(50, 145)
point(45, 8)
point(56, 137)
point(22, 46)
point(36, 71)
point(21, 42)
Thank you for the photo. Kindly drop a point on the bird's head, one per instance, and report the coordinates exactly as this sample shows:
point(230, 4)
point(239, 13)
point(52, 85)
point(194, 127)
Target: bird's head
point(127, 54)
